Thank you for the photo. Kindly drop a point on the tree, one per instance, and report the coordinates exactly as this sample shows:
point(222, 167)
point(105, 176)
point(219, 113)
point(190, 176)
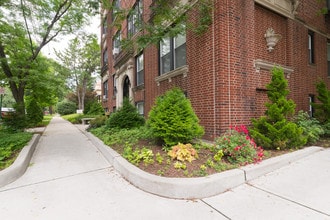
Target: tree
point(323, 107)
point(275, 130)
point(163, 15)
point(82, 59)
point(25, 28)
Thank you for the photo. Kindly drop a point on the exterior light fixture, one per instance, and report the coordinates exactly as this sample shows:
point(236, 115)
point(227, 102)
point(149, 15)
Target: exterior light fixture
point(271, 39)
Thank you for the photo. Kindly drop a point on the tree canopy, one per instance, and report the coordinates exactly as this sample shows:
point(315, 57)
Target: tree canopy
point(25, 28)
point(81, 59)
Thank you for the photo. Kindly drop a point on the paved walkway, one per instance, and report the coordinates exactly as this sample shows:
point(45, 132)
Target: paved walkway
point(69, 179)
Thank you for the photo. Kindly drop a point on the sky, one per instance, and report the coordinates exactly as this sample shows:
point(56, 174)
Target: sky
point(62, 42)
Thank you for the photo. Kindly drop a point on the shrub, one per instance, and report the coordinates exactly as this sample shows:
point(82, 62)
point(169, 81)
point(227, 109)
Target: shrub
point(66, 107)
point(239, 147)
point(274, 130)
point(34, 113)
point(94, 108)
point(311, 127)
point(172, 119)
point(16, 121)
point(326, 128)
point(74, 118)
point(126, 117)
point(98, 122)
point(323, 108)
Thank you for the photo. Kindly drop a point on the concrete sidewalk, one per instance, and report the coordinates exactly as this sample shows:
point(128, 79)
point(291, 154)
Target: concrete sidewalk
point(69, 178)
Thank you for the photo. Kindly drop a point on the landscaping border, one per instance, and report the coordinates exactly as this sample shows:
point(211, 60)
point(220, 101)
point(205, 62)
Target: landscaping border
point(198, 187)
point(18, 168)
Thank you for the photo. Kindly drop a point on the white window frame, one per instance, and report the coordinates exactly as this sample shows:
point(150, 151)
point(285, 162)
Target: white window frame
point(134, 19)
point(311, 47)
point(168, 48)
point(140, 107)
point(116, 47)
point(139, 61)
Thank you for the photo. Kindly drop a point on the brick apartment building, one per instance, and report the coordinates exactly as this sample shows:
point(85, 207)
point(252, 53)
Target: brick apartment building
point(224, 71)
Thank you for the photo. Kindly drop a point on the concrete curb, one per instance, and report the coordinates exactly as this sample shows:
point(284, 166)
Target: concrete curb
point(18, 168)
point(200, 187)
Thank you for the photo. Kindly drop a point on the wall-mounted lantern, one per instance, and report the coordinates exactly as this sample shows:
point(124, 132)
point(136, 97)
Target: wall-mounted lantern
point(271, 39)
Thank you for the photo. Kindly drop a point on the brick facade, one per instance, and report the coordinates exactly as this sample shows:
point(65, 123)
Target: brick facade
point(228, 66)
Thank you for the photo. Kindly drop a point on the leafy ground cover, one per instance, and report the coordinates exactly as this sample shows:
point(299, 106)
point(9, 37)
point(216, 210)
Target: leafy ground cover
point(139, 148)
point(11, 143)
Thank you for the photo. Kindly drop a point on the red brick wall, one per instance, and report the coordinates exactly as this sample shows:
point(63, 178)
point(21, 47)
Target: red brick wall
point(222, 83)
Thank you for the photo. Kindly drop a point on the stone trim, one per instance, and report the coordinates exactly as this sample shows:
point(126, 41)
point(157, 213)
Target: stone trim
point(288, 8)
point(266, 65)
point(168, 76)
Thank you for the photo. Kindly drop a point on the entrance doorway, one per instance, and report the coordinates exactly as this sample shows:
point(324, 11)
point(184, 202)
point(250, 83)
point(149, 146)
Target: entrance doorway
point(126, 87)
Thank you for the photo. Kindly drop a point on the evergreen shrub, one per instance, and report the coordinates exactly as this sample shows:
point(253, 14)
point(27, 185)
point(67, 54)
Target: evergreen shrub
point(274, 130)
point(172, 119)
point(98, 122)
point(94, 108)
point(323, 107)
point(125, 117)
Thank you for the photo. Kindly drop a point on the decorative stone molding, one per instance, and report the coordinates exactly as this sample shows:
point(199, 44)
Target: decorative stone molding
point(287, 8)
point(266, 65)
point(168, 76)
point(272, 38)
point(126, 66)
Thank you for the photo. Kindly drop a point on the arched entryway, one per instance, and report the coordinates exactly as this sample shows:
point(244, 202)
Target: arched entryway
point(126, 87)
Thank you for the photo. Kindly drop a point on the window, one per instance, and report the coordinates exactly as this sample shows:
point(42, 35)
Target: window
point(116, 44)
point(140, 107)
point(134, 19)
point(139, 70)
point(328, 58)
point(105, 57)
point(310, 47)
point(115, 9)
point(105, 90)
point(172, 53)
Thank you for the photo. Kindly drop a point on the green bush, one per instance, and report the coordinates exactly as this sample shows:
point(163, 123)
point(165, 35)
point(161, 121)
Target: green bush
point(312, 128)
point(275, 130)
point(16, 122)
point(326, 128)
point(97, 122)
point(93, 108)
point(74, 118)
point(126, 117)
point(34, 113)
point(239, 147)
point(66, 107)
point(323, 108)
point(173, 120)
